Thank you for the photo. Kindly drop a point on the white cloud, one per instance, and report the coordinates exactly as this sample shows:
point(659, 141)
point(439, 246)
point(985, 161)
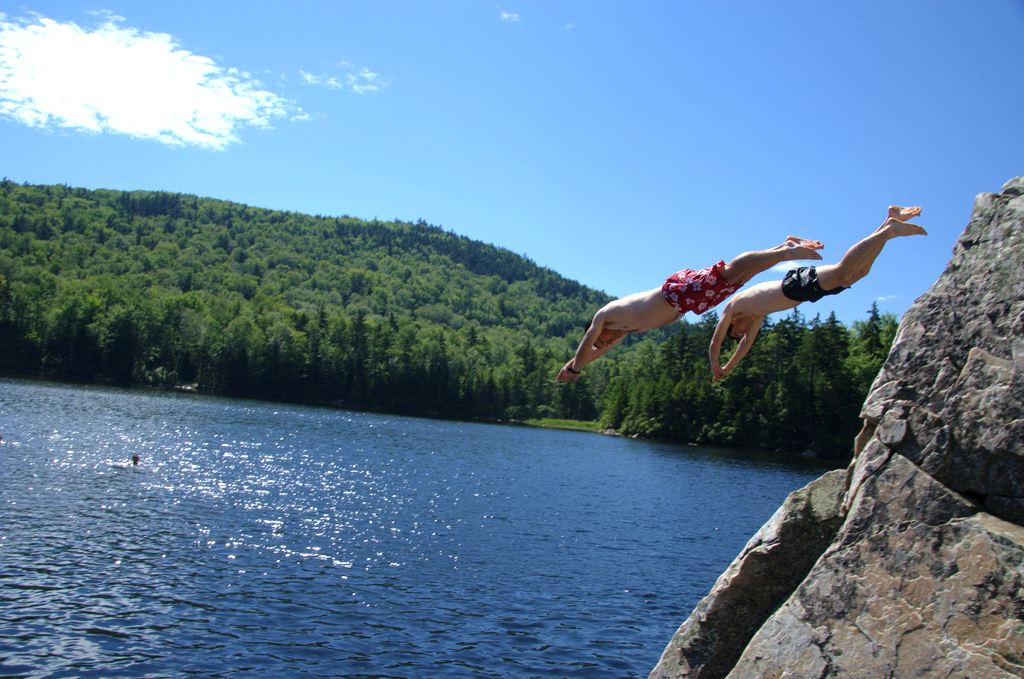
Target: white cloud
point(118, 79)
point(360, 82)
point(509, 16)
point(366, 82)
point(785, 267)
point(310, 79)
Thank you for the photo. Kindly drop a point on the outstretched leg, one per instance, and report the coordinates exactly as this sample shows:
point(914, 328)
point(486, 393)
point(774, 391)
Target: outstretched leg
point(745, 266)
point(857, 261)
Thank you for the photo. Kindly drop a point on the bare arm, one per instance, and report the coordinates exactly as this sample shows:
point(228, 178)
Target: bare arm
point(746, 311)
point(591, 348)
point(714, 351)
point(584, 353)
point(741, 350)
point(598, 349)
point(731, 312)
point(570, 373)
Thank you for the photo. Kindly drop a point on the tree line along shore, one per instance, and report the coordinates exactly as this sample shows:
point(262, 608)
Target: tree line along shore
point(157, 288)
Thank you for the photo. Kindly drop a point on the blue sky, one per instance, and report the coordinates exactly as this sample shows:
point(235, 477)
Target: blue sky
point(614, 142)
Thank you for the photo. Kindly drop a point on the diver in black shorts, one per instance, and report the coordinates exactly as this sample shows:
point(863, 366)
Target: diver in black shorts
point(744, 312)
point(801, 285)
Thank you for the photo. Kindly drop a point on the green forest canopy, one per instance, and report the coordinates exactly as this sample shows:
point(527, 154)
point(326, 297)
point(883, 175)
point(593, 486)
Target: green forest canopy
point(170, 289)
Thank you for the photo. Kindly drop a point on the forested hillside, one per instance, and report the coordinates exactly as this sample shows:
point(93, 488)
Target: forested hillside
point(169, 289)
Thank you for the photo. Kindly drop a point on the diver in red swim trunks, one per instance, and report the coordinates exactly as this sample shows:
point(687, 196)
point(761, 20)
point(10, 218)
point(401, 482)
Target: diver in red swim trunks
point(697, 291)
point(743, 314)
point(686, 290)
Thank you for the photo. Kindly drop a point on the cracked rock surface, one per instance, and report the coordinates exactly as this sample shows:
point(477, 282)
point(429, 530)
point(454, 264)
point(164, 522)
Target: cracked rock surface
point(911, 563)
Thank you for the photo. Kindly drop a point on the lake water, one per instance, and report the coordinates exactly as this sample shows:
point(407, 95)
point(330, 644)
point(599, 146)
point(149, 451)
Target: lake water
point(269, 540)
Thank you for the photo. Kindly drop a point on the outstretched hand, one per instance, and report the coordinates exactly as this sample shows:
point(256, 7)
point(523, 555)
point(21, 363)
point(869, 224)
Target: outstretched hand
point(566, 375)
point(718, 372)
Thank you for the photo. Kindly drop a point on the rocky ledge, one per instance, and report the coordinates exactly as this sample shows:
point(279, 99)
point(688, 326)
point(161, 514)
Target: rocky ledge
point(911, 562)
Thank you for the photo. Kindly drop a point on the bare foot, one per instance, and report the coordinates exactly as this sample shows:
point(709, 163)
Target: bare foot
point(903, 213)
point(901, 228)
point(795, 251)
point(812, 244)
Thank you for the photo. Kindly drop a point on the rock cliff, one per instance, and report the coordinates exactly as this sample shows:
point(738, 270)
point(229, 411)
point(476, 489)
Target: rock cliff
point(911, 562)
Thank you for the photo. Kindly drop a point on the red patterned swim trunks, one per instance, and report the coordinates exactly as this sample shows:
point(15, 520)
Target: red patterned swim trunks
point(697, 291)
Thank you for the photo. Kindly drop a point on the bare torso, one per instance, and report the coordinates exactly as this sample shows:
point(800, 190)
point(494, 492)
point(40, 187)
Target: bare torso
point(639, 312)
point(759, 301)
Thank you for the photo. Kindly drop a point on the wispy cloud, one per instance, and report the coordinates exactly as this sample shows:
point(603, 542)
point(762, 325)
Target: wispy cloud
point(509, 16)
point(117, 79)
point(784, 267)
point(362, 81)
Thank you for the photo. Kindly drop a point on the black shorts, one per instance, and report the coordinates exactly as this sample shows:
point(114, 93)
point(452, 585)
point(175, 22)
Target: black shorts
point(801, 285)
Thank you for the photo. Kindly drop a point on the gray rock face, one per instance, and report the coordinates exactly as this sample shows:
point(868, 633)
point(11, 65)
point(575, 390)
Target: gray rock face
point(915, 566)
point(953, 385)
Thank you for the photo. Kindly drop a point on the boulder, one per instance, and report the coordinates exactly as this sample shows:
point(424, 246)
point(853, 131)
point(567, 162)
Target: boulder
point(915, 567)
point(767, 571)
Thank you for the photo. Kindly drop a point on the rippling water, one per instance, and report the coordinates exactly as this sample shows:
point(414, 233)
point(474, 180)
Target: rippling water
point(274, 540)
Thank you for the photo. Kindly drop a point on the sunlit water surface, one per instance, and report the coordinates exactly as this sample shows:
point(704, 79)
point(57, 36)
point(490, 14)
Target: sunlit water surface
point(272, 540)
